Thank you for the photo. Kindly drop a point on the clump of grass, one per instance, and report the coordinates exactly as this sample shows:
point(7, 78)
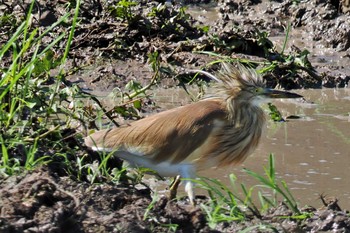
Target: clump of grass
point(123, 10)
point(278, 188)
point(39, 121)
point(26, 103)
point(226, 204)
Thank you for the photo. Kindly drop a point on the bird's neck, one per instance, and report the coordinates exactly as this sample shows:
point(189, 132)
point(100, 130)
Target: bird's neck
point(244, 114)
point(240, 136)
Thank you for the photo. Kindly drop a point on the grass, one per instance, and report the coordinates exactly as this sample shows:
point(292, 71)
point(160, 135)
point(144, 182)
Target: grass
point(35, 117)
point(228, 204)
point(270, 182)
point(24, 111)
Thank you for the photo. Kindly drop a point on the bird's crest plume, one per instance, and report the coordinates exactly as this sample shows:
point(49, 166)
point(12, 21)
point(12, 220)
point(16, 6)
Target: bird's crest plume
point(231, 80)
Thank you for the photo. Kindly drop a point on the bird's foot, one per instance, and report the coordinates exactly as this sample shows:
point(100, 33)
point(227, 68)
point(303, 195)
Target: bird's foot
point(189, 189)
point(173, 187)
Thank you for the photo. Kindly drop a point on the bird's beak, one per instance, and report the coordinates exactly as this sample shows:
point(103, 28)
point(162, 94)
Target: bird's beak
point(271, 93)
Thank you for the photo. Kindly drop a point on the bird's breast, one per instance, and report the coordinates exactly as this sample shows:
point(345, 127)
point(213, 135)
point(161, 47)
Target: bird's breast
point(230, 143)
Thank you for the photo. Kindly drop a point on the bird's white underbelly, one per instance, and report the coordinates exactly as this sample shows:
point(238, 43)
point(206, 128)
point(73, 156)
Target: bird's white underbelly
point(167, 169)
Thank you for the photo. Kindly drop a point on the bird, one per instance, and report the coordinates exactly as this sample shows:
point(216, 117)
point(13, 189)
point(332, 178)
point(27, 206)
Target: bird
point(221, 129)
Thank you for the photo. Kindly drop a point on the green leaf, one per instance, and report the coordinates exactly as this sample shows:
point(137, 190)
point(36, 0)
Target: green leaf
point(274, 113)
point(30, 104)
point(137, 104)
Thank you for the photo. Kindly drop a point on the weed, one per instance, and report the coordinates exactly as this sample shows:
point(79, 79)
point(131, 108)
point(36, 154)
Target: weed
point(27, 103)
point(271, 182)
point(123, 10)
point(274, 113)
point(226, 204)
point(285, 39)
point(264, 42)
point(150, 207)
point(35, 115)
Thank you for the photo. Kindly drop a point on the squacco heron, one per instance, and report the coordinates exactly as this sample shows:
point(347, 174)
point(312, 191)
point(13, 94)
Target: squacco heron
point(219, 130)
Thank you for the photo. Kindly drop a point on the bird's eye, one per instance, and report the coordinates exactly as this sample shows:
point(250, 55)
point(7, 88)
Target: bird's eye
point(257, 90)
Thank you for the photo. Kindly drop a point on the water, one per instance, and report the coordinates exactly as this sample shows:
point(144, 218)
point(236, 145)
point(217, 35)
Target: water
point(312, 153)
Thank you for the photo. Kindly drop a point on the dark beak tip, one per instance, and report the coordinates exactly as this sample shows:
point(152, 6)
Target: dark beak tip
point(284, 94)
point(294, 95)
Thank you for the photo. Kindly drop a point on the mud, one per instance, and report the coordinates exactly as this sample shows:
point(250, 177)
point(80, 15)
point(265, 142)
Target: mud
point(43, 201)
point(110, 52)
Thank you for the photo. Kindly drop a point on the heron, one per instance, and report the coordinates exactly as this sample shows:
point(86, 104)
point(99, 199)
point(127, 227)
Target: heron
point(219, 130)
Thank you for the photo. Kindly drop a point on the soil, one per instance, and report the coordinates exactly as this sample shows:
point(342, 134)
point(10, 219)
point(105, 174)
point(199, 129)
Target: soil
point(43, 201)
point(109, 52)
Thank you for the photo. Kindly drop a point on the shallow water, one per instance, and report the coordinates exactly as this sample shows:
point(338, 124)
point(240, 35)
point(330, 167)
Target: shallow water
point(312, 153)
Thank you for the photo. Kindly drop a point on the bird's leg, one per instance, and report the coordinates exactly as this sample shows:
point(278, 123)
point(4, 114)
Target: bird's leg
point(188, 172)
point(190, 193)
point(173, 187)
point(188, 188)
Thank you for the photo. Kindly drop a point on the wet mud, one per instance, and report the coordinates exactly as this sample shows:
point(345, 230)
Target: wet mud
point(42, 201)
point(110, 52)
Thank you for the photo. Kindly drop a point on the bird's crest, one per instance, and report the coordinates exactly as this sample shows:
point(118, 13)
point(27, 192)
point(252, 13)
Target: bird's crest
point(231, 80)
point(240, 77)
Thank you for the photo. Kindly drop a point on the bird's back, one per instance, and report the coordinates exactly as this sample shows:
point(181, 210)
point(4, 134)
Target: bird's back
point(170, 135)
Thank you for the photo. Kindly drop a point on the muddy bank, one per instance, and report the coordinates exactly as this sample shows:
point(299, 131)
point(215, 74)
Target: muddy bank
point(42, 201)
point(111, 37)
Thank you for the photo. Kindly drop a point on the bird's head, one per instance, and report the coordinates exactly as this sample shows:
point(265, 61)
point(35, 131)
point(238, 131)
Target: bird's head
point(246, 85)
point(257, 95)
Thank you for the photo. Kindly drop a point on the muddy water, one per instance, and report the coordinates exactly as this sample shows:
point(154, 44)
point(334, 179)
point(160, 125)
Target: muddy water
point(312, 153)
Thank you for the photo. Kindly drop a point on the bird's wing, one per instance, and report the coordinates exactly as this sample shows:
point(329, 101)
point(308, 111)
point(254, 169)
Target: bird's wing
point(167, 136)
